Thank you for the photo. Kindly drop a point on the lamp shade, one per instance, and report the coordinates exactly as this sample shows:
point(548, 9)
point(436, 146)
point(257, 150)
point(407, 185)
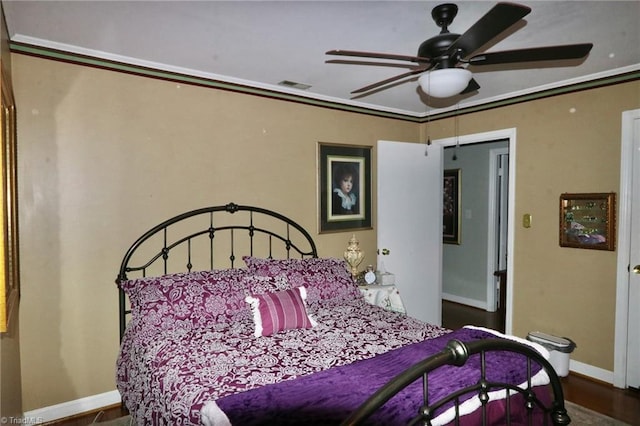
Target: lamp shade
point(446, 82)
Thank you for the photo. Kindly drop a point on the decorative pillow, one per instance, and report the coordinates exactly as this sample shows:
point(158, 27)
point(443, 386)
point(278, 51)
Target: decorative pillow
point(199, 298)
point(324, 278)
point(279, 311)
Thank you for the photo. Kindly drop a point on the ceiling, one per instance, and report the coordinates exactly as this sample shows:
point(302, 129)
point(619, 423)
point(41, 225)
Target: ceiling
point(261, 43)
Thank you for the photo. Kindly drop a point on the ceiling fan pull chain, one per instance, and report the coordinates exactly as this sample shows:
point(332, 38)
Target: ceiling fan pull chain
point(457, 131)
point(426, 148)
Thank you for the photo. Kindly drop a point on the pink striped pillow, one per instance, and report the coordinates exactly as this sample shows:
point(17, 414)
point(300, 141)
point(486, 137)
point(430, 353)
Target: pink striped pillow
point(282, 310)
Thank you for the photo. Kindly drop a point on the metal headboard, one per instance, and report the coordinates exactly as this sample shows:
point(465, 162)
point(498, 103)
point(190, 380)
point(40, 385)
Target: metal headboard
point(159, 243)
point(457, 353)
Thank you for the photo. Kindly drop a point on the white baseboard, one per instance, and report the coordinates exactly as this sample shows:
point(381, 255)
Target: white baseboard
point(591, 371)
point(71, 408)
point(465, 301)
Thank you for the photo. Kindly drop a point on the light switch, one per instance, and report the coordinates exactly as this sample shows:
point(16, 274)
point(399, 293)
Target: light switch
point(526, 220)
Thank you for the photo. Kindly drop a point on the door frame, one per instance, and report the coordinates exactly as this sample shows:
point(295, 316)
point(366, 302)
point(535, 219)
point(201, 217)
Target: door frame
point(624, 247)
point(510, 135)
point(493, 229)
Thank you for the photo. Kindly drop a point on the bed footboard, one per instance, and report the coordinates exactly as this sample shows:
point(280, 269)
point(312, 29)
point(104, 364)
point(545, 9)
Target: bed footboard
point(457, 354)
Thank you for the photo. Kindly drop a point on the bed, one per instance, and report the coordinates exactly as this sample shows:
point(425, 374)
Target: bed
point(229, 317)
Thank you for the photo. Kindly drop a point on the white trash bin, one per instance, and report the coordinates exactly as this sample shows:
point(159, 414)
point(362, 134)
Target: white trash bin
point(559, 349)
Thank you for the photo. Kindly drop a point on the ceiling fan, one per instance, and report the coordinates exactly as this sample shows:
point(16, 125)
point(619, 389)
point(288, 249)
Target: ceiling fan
point(439, 58)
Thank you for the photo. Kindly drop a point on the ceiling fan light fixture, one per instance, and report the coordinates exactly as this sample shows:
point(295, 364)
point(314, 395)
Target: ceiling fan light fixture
point(445, 82)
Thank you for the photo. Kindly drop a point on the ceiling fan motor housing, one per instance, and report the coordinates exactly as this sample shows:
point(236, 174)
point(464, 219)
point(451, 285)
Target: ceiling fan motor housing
point(436, 47)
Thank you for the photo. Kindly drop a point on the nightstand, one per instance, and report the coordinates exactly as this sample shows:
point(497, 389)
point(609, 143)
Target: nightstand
point(385, 296)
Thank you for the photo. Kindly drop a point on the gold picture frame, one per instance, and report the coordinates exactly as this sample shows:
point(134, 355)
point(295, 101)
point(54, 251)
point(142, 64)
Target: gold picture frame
point(588, 220)
point(9, 264)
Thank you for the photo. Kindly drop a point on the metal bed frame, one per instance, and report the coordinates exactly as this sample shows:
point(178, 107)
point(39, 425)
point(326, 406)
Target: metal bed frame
point(458, 353)
point(292, 237)
point(159, 245)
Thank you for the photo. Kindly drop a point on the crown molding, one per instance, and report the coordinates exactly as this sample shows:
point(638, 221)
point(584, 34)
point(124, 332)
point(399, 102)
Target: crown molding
point(72, 54)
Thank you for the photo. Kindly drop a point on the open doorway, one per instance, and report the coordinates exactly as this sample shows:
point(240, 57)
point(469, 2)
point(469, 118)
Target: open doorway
point(475, 281)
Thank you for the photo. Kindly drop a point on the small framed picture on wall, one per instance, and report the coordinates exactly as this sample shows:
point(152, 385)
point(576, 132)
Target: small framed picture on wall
point(588, 220)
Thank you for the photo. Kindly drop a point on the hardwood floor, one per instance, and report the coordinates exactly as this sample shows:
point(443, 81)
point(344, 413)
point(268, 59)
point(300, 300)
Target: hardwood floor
point(455, 315)
point(621, 404)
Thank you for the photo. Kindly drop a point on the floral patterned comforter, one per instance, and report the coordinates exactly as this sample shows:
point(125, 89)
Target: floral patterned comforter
point(167, 374)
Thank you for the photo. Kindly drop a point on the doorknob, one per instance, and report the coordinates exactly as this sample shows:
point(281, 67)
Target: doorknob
point(636, 269)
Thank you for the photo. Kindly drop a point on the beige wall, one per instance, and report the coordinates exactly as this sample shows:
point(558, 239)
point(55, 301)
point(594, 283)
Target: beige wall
point(103, 156)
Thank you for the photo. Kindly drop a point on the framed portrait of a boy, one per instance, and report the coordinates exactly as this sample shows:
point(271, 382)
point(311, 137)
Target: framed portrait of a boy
point(344, 187)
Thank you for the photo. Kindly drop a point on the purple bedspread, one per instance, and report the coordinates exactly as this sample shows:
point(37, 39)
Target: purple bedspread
point(328, 397)
point(168, 370)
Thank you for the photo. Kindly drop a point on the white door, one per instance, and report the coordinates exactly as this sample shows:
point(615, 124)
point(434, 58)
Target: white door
point(627, 328)
point(633, 338)
point(410, 224)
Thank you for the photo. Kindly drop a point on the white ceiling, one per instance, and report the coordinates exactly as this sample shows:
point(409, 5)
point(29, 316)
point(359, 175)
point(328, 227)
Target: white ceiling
point(260, 43)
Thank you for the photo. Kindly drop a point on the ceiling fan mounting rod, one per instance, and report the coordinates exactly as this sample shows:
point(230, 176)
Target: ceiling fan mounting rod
point(443, 15)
